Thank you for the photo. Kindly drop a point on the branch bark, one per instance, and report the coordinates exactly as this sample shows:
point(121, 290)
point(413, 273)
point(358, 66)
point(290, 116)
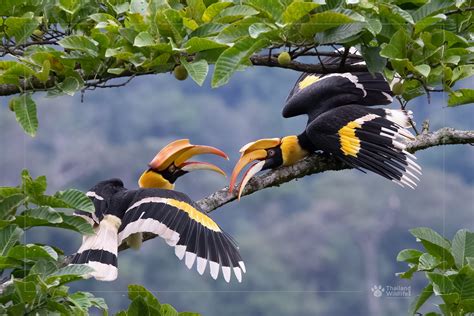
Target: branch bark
point(318, 163)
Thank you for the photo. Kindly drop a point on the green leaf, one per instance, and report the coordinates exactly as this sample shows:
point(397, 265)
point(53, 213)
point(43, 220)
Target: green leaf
point(69, 86)
point(297, 10)
point(235, 13)
point(138, 307)
point(80, 43)
point(271, 9)
point(409, 273)
point(26, 291)
point(441, 284)
point(233, 57)
point(397, 48)
point(428, 262)
point(25, 111)
point(375, 62)
point(76, 200)
point(461, 96)
point(20, 28)
point(462, 247)
point(76, 223)
point(168, 310)
point(43, 75)
point(43, 267)
point(10, 263)
point(7, 191)
point(341, 34)
point(430, 8)
point(9, 236)
point(197, 44)
point(432, 241)
point(72, 270)
point(428, 21)
point(464, 283)
point(409, 255)
point(144, 39)
point(188, 314)
point(9, 204)
point(170, 24)
point(135, 290)
point(256, 29)
point(213, 10)
point(197, 70)
point(423, 69)
point(29, 252)
point(425, 294)
point(323, 21)
point(41, 216)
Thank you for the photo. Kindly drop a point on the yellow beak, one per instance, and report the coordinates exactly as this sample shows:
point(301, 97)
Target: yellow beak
point(259, 154)
point(179, 151)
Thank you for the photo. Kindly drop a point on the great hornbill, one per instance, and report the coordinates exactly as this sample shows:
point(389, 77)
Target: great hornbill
point(343, 123)
point(122, 214)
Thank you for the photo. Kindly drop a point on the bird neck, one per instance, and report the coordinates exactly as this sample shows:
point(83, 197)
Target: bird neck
point(152, 179)
point(291, 150)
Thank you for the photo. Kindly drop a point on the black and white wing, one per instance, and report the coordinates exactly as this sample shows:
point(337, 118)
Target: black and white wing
point(181, 223)
point(368, 138)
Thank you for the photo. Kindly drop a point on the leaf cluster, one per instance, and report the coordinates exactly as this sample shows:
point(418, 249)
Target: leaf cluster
point(65, 46)
point(447, 265)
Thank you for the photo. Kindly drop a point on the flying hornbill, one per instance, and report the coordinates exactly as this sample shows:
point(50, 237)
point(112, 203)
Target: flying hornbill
point(122, 214)
point(343, 123)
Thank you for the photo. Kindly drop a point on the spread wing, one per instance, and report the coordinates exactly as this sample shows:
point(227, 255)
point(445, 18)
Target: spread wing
point(367, 138)
point(182, 224)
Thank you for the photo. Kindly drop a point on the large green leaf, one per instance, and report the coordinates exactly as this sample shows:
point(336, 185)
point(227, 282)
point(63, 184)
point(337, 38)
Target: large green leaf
point(9, 204)
point(80, 43)
point(430, 8)
point(76, 200)
point(461, 96)
point(441, 283)
point(76, 223)
point(464, 283)
point(41, 216)
point(397, 48)
point(197, 44)
point(168, 310)
point(135, 290)
point(462, 247)
point(428, 262)
point(375, 62)
point(70, 273)
point(170, 24)
point(9, 236)
point(436, 244)
point(144, 39)
point(25, 111)
point(20, 28)
point(323, 21)
point(235, 13)
point(139, 307)
point(233, 57)
point(197, 70)
point(341, 34)
point(271, 9)
point(29, 252)
point(296, 10)
point(26, 291)
point(421, 299)
point(213, 10)
point(409, 255)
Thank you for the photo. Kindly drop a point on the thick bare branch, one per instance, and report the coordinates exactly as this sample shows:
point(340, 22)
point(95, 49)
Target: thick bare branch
point(318, 163)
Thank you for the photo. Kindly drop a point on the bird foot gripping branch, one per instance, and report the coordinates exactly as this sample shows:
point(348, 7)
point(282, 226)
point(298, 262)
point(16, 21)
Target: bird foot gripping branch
point(123, 215)
point(342, 122)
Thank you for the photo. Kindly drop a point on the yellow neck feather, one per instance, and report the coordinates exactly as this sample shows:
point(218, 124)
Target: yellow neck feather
point(151, 179)
point(291, 150)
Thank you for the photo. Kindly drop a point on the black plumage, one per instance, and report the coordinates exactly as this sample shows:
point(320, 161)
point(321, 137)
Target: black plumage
point(169, 214)
point(342, 121)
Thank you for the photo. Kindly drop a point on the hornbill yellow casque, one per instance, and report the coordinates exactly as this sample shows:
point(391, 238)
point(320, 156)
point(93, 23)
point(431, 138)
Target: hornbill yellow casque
point(122, 214)
point(343, 123)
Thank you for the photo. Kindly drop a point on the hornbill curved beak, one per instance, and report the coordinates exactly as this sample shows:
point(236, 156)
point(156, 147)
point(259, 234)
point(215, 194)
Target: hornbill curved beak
point(268, 154)
point(172, 161)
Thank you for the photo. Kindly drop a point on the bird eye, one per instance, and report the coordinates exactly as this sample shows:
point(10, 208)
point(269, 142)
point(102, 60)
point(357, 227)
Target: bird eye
point(271, 152)
point(171, 168)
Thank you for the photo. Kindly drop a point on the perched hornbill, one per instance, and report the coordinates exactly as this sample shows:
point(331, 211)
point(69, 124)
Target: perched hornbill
point(123, 214)
point(341, 122)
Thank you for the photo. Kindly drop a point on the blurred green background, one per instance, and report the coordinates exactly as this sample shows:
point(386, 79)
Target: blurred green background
point(312, 247)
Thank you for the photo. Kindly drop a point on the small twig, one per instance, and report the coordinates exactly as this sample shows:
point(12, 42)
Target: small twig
point(344, 57)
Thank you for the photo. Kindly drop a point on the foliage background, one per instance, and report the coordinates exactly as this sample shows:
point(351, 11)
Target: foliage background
point(315, 246)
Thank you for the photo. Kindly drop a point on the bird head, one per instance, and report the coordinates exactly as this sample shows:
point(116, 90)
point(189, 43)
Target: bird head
point(268, 153)
point(172, 162)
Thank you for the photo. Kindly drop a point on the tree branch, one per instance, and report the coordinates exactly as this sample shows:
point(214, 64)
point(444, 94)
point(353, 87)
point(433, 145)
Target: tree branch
point(318, 163)
point(33, 84)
